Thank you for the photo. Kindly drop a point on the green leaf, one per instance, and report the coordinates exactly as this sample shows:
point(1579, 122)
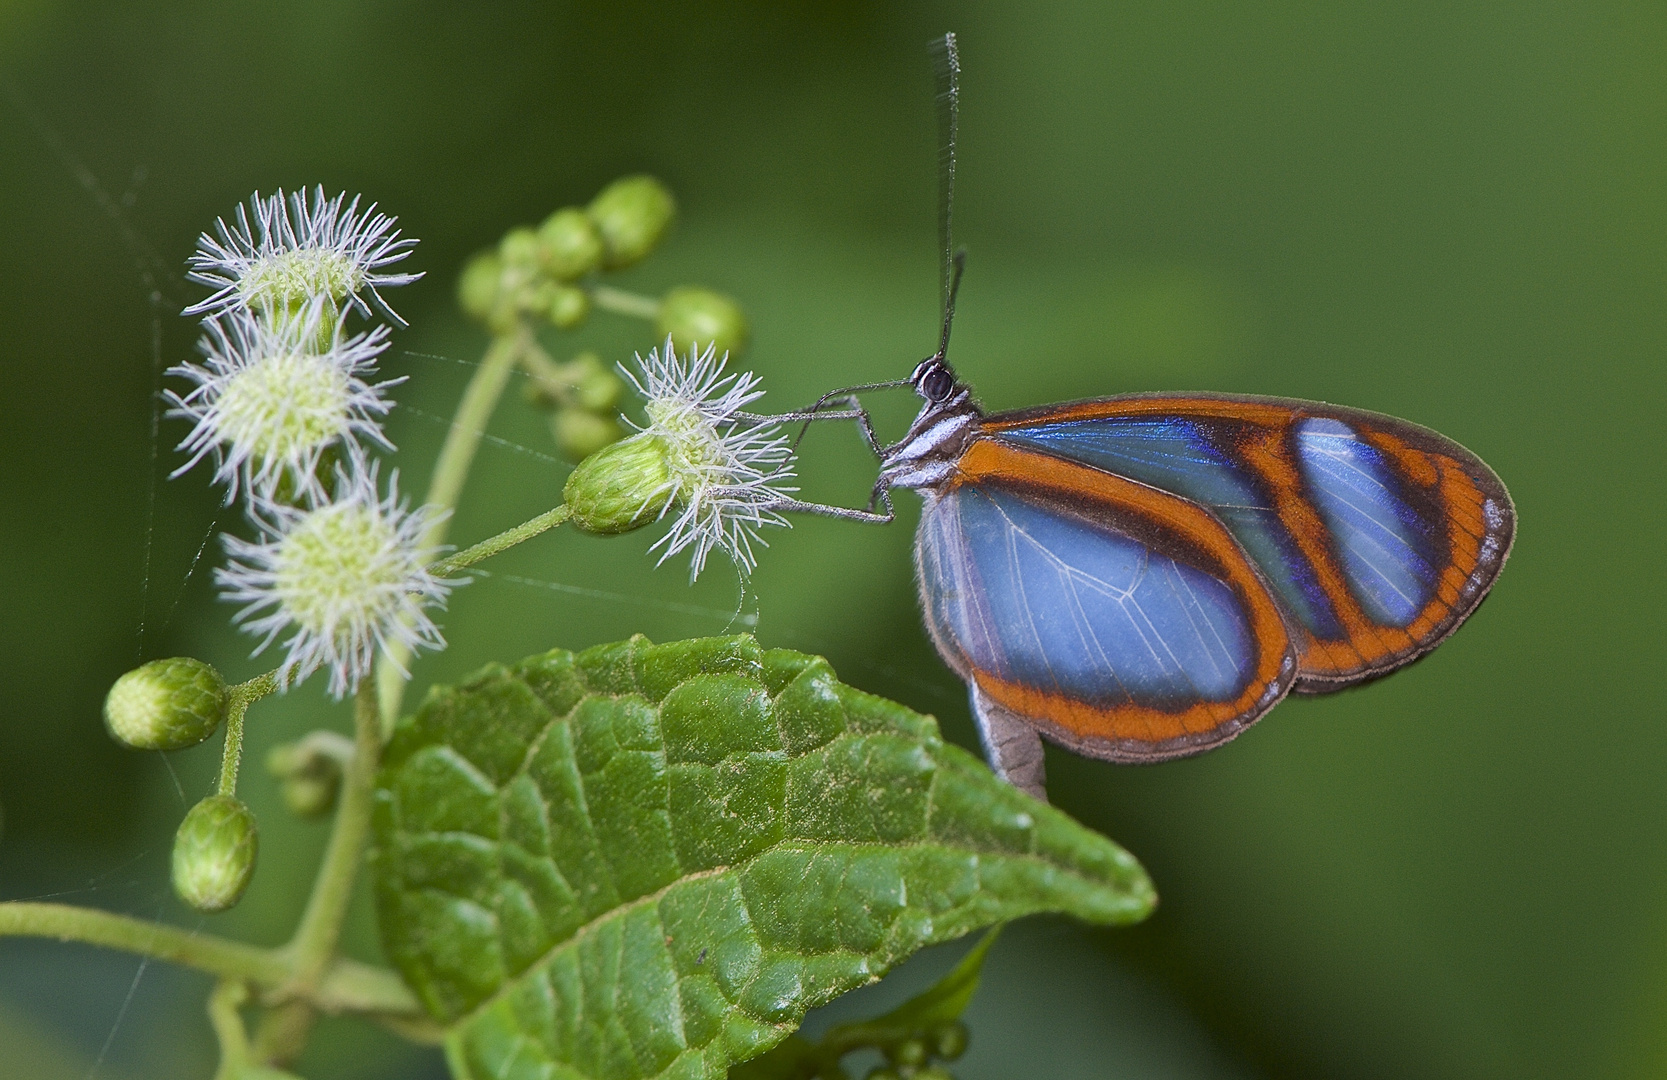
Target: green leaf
point(649, 861)
point(796, 1058)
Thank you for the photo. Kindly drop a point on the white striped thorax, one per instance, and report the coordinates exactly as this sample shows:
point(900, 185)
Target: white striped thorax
point(926, 456)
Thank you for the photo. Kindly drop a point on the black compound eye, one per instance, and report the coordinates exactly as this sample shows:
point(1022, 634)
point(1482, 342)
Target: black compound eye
point(936, 384)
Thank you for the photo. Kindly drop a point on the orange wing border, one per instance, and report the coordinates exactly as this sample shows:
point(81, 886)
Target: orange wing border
point(1167, 524)
point(1464, 493)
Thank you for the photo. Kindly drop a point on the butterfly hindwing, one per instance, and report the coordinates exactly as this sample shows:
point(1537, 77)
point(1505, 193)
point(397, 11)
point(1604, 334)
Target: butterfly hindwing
point(1377, 537)
point(1123, 621)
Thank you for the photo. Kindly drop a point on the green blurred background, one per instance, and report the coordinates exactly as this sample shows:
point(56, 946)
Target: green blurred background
point(1452, 213)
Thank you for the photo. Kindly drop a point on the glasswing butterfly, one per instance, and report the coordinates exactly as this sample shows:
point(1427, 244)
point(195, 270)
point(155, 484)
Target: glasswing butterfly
point(1142, 577)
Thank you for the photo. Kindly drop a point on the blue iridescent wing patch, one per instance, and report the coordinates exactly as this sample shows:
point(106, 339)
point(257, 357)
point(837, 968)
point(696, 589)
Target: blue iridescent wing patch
point(1376, 536)
point(1033, 595)
point(1120, 620)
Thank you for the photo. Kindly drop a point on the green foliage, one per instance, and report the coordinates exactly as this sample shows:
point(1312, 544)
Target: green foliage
point(928, 1025)
point(646, 861)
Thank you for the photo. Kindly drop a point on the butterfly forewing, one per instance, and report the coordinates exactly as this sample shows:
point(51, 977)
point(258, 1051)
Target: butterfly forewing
point(1376, 537)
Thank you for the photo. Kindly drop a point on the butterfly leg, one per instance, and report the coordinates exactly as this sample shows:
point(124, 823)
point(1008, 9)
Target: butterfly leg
point(847, 407)
point(867, 517)
point(1011, 745)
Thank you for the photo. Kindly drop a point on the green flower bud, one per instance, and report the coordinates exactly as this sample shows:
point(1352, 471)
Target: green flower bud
point(581, 434)
point(596, 387)
point(948, 1040)
point(504, 318)
point(166, 704)
point(632, 215)
point(214, 853)
point(565, 306)
point(477, 289)
point(621, 487)
point(569, 245)
point(584, 383)
point(310, 797)
point(310, 780)
point(695, 316)
point(908, 1054)
point(520, 248)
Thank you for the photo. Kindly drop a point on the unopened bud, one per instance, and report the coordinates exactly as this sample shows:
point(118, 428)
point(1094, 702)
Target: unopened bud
point(520, 248)
point(565, 306)
point(694, 316)
point(310, 772)
point(214, 853)
point(632, 216)
point(477, 289)
point(580, 433)
point(596, 386)
point(621, 487)
point(569, 245)
point(910, 1053)
point(948, 1040)
point(166, 704)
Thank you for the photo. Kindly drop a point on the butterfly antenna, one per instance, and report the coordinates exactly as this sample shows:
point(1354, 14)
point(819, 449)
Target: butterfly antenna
point(960, 264)
point(946, 58)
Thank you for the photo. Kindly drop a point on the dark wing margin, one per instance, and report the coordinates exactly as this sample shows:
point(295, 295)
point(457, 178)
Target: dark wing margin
point(1377, 536)
point(1119, 621)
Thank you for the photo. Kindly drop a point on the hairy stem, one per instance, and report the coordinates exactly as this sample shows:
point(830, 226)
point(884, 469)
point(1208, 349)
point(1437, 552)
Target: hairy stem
point(544, 522)
point(621, 302)
point(314, 944)
point(240, 697)
point(481, 396)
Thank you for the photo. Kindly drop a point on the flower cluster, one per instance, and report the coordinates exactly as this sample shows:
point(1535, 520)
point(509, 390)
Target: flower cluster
point(726, 473)
point(286, 404)
point(717, 471)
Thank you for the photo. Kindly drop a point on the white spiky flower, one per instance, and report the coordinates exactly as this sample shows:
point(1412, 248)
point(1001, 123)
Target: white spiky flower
point(726, 473)
point(273, 394)
point(345, 580)
point(717, 473)
point(283, 252)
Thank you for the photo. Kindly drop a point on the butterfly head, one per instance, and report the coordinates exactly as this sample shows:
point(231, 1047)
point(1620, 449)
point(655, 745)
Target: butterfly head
point(948, 419)
point(934, 380)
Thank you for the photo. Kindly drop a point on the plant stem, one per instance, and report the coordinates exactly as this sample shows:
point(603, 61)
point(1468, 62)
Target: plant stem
point(240, 697)
point(216, 955)
point(314, 944)
point(282, 1033)
point(544, 522)
point(226, 1019)
point(451, 468)
point(348, 986)
point(621, 302)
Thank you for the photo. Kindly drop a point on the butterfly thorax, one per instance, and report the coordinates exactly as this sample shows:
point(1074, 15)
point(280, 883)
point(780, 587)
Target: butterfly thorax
point(949, 420)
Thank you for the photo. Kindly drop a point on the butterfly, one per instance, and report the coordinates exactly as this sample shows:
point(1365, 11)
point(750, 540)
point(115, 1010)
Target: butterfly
point(1142, 577)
